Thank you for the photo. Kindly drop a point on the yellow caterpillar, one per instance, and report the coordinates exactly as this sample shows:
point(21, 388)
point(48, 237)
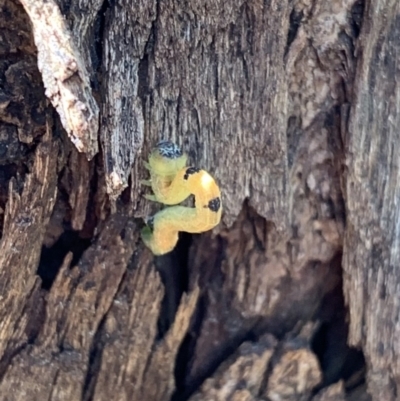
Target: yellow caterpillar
point(172, 183)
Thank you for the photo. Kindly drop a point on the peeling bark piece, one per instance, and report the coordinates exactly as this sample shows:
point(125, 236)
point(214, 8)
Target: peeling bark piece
point(65, 76)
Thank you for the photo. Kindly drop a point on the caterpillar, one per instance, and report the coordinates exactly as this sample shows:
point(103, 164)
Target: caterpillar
point(172, 182)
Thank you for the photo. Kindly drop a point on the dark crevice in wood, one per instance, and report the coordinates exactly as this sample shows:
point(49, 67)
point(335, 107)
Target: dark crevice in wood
point(143, 73)
point(173, 269)
point(125, 197)
point(293, 135)
point(178, 117)
point(393, 386)
point(152, 38)
point(65, 7)
point(294, 24)
point(11, 149)
point(143, 67)
point(8, 357)
point(12, 58)
point(215, 63)
point(96, 51)
point(94, 363)
point(187, 349)
point(185, 383)
point(52, 258)
point(277, 354)
point(35, 311)
point(357, 15)
point(92, 213)
point(338, 361)
point(186, 388)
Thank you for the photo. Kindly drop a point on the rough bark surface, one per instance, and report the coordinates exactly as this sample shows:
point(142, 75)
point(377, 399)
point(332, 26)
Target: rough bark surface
point(293, 106)
point(372, 252)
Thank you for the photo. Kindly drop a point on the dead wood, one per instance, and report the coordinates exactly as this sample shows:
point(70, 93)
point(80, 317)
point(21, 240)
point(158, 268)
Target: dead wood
point(293, 107)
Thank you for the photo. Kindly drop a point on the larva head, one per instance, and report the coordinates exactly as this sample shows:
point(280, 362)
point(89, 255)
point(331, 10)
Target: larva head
point(166, 159)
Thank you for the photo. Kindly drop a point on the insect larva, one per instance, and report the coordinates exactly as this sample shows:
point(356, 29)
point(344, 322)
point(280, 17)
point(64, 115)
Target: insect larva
point(172, 183)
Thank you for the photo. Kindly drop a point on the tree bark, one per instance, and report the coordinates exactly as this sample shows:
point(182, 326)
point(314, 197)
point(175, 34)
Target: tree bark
point(293, 107)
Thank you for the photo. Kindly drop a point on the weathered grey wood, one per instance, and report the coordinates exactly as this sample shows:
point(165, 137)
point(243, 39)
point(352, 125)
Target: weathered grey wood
point(371, 250)
point(215, 82)
point(126, 34)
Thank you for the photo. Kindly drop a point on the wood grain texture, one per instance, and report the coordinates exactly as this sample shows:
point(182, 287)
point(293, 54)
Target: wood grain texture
point(58, 362)
point(212, 85)
point(127, 31)
point(292, 112)
point(25, 221)
point(372, 237)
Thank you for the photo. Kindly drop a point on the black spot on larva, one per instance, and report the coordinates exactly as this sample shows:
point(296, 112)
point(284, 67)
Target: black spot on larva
point(190, 171)
point(169, 149)
point(150, 222)
point(214, 205)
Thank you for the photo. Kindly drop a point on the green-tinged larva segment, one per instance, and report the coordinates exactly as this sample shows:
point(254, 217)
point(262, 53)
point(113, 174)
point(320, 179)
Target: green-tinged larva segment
point(172, 183)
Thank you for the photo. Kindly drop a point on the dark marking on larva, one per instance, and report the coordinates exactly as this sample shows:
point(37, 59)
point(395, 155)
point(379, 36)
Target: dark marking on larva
point(169, 150)
point(190, 171)
point(214, 205)
point(150, 222)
